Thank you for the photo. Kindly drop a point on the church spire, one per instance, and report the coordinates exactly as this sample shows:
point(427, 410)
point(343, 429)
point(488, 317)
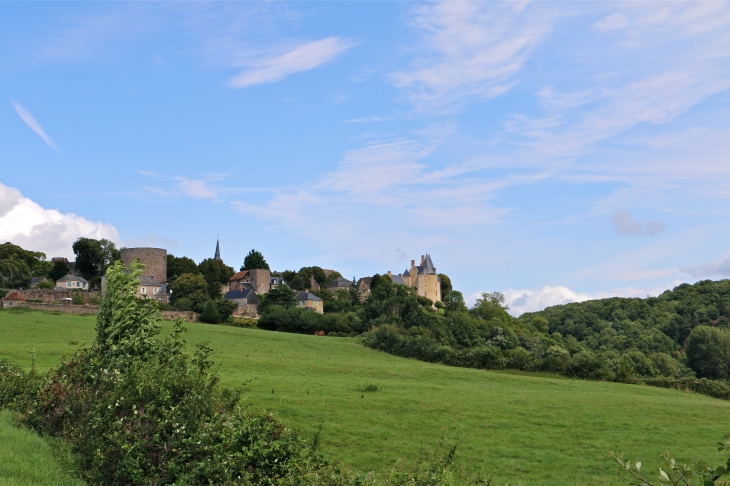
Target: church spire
point(217, 251)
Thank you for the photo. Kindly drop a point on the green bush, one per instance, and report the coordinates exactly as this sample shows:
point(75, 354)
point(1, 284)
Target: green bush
point(77, 298)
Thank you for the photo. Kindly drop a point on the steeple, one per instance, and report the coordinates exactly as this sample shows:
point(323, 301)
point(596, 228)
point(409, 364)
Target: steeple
point(217, 251)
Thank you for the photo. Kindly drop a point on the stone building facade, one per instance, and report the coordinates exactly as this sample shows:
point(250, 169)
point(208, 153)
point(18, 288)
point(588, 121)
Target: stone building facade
point(259, 279)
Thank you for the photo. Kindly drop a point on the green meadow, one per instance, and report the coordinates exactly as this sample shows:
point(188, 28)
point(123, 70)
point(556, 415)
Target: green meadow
point(378, 409)
point(27, 460)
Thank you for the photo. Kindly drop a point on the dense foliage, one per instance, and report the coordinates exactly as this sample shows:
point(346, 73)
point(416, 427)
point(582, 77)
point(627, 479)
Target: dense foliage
point(18, 266)
point(93, 257)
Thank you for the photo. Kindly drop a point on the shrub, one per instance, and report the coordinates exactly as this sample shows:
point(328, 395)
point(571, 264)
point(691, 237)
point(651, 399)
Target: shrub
point(77, 298)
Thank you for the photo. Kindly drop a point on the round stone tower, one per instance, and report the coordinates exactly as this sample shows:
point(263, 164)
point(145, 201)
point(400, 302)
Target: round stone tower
point(154, 259)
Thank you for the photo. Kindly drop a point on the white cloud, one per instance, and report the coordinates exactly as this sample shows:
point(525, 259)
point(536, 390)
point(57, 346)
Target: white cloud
point(527, 300)
point(25, 223)
point(196, 188)
point(625, 224)
point(474, 51)
point(33, 124)
point(715, 268)
point(301, 58)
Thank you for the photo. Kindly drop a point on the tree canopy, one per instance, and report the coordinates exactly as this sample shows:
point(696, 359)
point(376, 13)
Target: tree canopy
point(93, 257)
point(216, 274)
point(176, 266)
point(254, 260)
point(191, 286)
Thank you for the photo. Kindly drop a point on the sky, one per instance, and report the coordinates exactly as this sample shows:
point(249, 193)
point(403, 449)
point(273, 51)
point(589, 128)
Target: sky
point(552, 151)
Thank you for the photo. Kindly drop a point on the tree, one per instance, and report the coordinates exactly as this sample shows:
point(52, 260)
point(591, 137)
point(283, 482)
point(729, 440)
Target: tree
point(445, 285)
point(210, 313)
point(708, 352)
point(489, 305)
point(14, 273)
point(454, 301)
point(59, 270)
point(216, 274)
point(190, 286)
point(354, 292)
point(254, 260)
point(281, 296)
point(41, 268)
point(93, 257)
point(176, 266)
point(8, 250)
point(314, 272)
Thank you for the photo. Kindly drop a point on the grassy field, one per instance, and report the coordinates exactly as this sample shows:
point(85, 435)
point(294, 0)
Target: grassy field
point(523, 428)
point(26, 460)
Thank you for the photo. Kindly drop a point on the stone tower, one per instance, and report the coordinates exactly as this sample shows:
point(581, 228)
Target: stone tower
point(154, 259)
point(424, 278)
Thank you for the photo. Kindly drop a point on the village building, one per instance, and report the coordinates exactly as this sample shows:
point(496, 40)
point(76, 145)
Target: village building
point(149, 288)
point(276, 282)
point(310, 302)
point(338, 284)
point(36, 280)
point(247, 302)
point(72, 282)
point(13, 299)
point(258, 279)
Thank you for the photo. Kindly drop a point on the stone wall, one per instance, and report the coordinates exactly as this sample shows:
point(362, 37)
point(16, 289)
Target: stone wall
point(188, 316)
point(51, 296)
point(66, 309)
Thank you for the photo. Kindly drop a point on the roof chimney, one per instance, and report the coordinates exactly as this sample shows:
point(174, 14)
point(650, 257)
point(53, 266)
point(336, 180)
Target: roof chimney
point(413, 263)
point(423, 259)
point(390, 274)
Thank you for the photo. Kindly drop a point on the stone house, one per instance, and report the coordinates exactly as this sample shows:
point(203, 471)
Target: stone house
point(276, 282)
point(36, 280)
point(72, 282)
point(247, 302)
point(13, 299)
point(259, 279)
point(149, 288)
point(310, 302)
point(338, 284)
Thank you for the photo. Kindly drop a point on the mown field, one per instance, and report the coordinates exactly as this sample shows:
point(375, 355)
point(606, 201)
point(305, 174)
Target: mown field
point(535, 430)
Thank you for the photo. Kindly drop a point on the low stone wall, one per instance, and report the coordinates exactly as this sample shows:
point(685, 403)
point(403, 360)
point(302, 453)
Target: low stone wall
point(188, 316)
point(65, 308)
point(50, 296)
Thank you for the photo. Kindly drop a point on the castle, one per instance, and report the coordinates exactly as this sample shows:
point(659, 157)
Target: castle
point(423, 278)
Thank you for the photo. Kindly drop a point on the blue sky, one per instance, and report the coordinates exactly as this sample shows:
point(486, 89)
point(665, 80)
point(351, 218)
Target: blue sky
point(553, 151)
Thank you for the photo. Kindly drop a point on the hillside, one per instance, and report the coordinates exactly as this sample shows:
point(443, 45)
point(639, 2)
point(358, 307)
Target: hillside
point(528, 428)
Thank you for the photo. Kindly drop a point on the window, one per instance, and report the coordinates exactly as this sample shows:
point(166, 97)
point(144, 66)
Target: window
point(155, 290)
point(68, 284)
point(143, 290)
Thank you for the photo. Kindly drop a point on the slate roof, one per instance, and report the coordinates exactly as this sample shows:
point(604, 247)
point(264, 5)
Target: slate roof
point(238, 276)
point(72, 278)
point(428, 266)
point(307, 296)
point(278, 281)
point(339, 283)
point(147, 280)
point(37, 280)
point(249, 295)
point(397, 279)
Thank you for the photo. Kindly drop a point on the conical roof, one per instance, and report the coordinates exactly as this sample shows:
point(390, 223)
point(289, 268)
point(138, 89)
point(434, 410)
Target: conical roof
point(428, 266)
point(217, 250)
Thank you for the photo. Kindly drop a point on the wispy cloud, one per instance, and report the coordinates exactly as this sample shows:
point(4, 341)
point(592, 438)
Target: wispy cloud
point(625, 224)
point(33, 125)
point(196, 188)
point(474, 51)
point(719, 267)
point(299, 59)
point(369, 119)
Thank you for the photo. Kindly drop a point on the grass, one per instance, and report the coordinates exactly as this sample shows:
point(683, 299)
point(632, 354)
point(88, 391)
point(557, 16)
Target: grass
point(532, 429)
point(27, 460)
